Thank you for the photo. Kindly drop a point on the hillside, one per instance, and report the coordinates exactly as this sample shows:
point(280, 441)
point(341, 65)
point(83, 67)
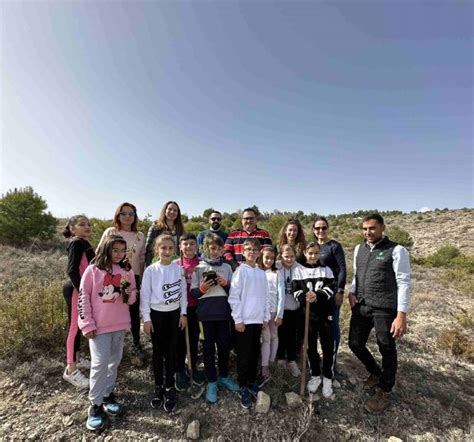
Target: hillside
point(433, 399)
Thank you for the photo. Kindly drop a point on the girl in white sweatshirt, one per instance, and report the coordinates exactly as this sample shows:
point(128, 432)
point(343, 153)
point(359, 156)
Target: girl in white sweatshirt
point(163, 306)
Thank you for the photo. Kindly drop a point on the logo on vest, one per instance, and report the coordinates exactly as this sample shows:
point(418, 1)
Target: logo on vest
point(380, 255)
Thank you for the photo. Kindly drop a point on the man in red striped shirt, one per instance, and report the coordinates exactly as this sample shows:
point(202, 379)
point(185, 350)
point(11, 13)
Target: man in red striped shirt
point(233, 245)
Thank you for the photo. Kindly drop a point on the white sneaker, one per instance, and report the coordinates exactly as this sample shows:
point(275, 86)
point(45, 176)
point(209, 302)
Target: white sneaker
point(83, 364)
point(77, 379)
point(314, 383)
point(327, 387)
point(295, 371)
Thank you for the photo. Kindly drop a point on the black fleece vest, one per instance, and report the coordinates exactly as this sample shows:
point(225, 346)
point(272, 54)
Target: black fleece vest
point(375, 278)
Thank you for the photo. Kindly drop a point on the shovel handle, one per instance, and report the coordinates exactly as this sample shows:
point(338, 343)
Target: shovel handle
point(305, 349)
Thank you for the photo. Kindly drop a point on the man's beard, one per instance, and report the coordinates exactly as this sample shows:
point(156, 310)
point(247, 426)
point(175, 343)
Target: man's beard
point(215, 225)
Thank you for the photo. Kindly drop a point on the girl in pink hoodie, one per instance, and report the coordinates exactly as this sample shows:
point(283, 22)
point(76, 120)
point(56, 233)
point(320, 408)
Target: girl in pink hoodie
point(107, 289)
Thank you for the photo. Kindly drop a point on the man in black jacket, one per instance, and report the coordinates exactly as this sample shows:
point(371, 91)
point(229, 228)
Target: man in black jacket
point(379, 299)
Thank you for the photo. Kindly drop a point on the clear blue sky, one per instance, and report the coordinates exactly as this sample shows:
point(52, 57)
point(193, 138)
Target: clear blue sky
point(324, 107)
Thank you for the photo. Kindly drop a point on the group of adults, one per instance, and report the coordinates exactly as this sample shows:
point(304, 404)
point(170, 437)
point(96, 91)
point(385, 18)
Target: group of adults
point(378, 295)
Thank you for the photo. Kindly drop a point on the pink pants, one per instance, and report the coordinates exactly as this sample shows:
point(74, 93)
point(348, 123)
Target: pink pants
point(269, 342)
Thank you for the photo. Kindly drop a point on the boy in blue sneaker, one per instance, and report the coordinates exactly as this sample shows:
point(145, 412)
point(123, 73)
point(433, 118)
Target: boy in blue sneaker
point(210, 285)
point(250, 311)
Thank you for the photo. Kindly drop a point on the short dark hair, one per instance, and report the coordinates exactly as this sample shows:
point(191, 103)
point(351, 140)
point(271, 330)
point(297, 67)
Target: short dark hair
point(215, 211)
point(187, 237)
point(373, 216)
point(250, 209)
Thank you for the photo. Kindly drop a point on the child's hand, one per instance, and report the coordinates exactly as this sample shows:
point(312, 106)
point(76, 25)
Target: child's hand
point(206, 285)
point(311, 296)
point(278, 321)
point(90, 335)
point(240, 327)
point(222, 281)
point(148, 328)
point(183, 322)
point(264, 325)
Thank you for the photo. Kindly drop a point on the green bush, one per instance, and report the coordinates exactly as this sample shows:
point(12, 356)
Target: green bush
point(33, 314)
point(443, 257)
point(400, 236)
point(23, 217)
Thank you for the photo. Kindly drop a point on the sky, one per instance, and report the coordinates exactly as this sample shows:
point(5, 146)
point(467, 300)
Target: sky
point(326, 107)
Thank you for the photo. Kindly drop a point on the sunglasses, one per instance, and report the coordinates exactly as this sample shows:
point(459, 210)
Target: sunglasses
point(215, 218)
point(124, 213)
point(320, 228)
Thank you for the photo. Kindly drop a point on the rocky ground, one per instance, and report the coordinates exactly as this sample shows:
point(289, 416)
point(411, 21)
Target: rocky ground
point(432, 400)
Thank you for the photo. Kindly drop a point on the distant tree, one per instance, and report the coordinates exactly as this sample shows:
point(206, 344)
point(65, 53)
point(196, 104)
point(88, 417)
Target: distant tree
point(193, 227)
point(23, 217)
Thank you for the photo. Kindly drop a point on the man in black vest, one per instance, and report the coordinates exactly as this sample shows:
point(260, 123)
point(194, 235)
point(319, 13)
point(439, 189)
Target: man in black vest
point(379, 298)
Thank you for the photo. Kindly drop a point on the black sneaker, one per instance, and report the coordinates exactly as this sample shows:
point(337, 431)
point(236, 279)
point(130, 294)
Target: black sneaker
point(181, 381)
point(170, 400)
point(111, 406)
point(158, 397)
point(199, 378)
point(97, 420)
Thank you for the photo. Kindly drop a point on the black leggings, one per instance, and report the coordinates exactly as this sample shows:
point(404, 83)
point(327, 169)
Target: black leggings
point(135, 314)
point(287, 336)
point(165, 342)
point(322, 328)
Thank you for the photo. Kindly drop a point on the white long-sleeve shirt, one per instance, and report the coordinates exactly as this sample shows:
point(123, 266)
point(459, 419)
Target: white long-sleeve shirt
point(163, 289)
point(402, 270)
point(248, 295)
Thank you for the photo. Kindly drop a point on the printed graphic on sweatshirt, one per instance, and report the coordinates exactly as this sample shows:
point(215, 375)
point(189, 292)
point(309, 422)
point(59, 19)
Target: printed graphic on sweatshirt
point(111, 290)
point(172, 292)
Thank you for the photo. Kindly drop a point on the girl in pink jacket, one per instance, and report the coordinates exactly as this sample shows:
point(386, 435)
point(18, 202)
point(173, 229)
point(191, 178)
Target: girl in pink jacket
point(107, 289)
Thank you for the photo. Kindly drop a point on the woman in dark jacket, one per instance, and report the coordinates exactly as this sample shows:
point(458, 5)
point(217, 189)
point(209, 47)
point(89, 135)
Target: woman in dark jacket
point(332, 255)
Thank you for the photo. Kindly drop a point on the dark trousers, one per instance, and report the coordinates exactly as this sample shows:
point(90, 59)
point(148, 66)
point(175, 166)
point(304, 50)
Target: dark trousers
point(336, 331)
point(248, 349)
point(321, 328)
point(68, 292)
point(135, 315)
point(363, 319)
point(165, 342)
point(287, 336)
point(194, 331)
point(216, 333)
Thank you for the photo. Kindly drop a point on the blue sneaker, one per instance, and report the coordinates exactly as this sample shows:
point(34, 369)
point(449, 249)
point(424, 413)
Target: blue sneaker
point(229, 383)
point(245, 399)
point(211, 392)
point(254, 389)
point(96, 418)
point(111, 406)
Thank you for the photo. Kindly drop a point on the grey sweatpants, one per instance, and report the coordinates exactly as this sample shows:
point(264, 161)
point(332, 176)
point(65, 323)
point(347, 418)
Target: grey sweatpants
point(106, 353)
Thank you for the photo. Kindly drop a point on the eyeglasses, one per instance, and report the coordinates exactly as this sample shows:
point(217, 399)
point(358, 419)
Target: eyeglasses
point(124, 213)
point(215, 218)
point(250, 249)
point(249, 218)
point(320, 228)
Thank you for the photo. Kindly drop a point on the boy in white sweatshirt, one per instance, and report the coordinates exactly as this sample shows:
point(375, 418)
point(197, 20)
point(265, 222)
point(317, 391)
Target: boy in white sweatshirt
point(250, 311)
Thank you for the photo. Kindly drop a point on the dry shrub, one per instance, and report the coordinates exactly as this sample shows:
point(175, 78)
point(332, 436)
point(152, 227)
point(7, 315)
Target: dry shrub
point(32, 314)
point(457, 343)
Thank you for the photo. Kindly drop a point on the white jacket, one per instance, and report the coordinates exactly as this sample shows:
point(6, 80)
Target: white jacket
point(248, 295)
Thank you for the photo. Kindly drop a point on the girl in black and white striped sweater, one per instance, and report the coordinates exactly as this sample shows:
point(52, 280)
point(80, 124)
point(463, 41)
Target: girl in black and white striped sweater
point(315, 283)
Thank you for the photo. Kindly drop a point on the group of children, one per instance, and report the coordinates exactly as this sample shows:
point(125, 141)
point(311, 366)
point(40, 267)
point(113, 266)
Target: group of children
point(190, 295)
